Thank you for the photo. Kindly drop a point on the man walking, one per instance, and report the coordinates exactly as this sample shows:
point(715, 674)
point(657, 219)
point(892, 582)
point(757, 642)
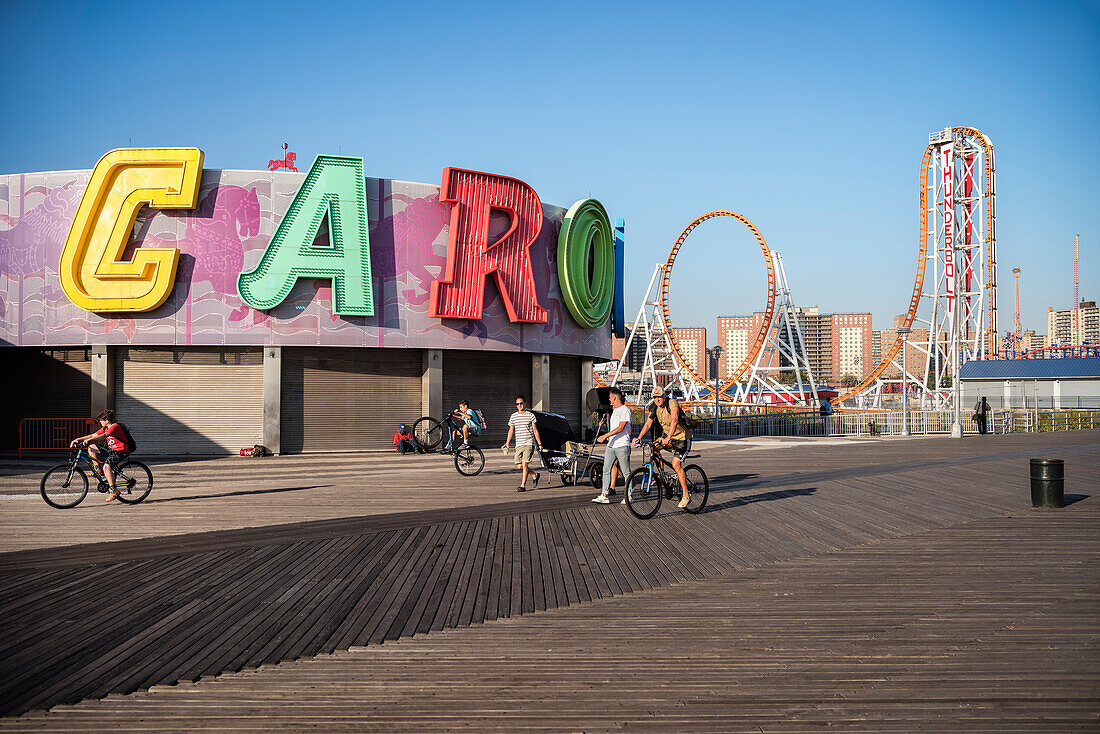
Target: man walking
point(618, 444)
point(981, 414)
point(521, 424)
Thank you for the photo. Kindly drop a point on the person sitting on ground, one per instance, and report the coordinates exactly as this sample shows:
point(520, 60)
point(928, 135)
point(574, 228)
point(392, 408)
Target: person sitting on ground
point(465, 421)
point(403, 440)
point(665, 411)
point(117, 448)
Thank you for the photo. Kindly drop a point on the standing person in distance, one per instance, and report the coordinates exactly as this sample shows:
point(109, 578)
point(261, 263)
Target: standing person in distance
point(665, 411)
point(521, 424)
point(618, 444)
point(981, 415)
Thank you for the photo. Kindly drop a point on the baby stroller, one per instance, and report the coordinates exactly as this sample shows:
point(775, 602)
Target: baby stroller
point(561, 454)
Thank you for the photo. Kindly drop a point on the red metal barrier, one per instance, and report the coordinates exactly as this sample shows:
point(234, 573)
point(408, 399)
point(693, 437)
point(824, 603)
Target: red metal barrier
point(51, 434)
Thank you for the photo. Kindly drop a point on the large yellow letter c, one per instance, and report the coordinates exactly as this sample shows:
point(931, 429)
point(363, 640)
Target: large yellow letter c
point(93, 274)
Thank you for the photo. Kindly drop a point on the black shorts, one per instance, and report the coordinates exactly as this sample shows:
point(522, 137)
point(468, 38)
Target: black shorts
point(680, 449)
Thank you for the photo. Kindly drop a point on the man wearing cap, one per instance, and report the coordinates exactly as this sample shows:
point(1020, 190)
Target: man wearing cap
point(403, 440)
point(677, 437)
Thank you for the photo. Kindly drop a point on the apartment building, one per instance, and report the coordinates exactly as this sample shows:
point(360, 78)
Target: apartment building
point(836, 344)
point(1063, 327)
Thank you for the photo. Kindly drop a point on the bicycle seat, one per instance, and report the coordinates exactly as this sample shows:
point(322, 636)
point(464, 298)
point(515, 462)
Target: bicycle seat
point(693, 456)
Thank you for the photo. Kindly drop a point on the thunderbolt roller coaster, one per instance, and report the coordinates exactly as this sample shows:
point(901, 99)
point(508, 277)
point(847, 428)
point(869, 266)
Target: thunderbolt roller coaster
point(958, 216)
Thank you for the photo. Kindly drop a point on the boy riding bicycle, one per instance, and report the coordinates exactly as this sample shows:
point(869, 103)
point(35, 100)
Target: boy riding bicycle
point(463, 421)
point(118, 446)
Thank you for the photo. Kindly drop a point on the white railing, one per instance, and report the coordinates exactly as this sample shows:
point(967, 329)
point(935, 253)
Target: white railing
point(851, 423)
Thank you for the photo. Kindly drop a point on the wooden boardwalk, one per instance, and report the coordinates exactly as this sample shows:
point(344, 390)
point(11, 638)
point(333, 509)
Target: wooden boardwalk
point(864, 590)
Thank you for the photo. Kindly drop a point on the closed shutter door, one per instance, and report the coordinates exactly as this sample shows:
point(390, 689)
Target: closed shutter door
point(192, 401)
point(565, 390)
point(490, 382)
point(54, 383)
point(348, 399)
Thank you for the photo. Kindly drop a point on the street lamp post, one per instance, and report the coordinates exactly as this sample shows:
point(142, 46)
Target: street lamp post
point(904, 332)
point(715, 353)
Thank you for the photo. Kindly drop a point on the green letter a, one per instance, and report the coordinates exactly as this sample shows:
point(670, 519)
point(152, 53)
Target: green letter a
point(333, 186)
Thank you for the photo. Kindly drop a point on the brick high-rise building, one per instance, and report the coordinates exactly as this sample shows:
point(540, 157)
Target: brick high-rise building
point(836, 344)
point(735, 335)
point(693, 345)
point(851, 342)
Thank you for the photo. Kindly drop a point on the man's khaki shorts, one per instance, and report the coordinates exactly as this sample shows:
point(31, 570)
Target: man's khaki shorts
point(524, 454)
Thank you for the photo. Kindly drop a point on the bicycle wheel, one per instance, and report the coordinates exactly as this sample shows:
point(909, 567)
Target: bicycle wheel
point(428, 433)
point(699, 486)
point(63, 490)
point(134, 482)
point(469, 461)
point(643, 493)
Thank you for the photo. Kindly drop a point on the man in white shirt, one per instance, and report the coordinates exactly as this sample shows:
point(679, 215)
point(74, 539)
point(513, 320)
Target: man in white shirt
point(618, 443)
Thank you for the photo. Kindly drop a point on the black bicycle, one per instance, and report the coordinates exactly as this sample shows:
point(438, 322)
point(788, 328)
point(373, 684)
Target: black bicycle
point(428, 433)
point(656, 480)
point(65, 485)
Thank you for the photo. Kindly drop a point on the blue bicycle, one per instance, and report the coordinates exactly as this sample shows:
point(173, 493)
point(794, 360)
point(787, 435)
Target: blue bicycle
point(656, 480)
point(65, 485)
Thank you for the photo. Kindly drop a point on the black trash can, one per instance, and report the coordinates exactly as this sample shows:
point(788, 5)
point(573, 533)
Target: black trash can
point(1047, 483)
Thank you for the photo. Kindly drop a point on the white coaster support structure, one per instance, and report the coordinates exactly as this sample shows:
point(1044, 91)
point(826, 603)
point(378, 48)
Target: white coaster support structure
point(783, 342)
point(660, 359)
point(962, 323)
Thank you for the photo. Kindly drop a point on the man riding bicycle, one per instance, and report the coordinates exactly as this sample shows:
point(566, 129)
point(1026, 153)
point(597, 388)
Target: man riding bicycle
point(117, 448)
point(677, 437)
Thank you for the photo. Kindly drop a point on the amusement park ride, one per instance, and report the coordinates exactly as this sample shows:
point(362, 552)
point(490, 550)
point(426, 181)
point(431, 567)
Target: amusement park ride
point(953, 301)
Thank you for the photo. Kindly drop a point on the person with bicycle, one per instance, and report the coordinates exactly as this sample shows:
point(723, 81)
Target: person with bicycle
point(465, 421)
point(117, 448)
point(617, 455)
point(665, 411)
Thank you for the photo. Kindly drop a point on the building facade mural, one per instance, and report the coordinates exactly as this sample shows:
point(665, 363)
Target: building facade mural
point(236, 215)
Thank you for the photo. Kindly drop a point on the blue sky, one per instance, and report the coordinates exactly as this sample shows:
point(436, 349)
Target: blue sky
point(808, 118)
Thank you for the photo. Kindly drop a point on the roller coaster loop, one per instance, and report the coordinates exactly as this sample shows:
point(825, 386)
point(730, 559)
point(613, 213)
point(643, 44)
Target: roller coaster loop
point(761, 336)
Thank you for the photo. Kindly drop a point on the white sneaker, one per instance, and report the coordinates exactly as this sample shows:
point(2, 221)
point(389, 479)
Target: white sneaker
point(623, 501)
point(602, 499)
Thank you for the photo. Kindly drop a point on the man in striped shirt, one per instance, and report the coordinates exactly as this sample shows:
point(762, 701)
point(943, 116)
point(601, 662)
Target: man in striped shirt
point(522, 425)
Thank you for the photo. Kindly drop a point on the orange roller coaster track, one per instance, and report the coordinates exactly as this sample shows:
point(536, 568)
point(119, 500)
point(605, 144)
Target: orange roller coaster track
point(922, 258)
point(761, 336)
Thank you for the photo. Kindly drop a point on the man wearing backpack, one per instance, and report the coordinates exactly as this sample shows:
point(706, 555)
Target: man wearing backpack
point(665, 411)
point(119, 444)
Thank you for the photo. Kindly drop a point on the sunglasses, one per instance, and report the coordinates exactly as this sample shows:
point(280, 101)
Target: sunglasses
point(520, 403)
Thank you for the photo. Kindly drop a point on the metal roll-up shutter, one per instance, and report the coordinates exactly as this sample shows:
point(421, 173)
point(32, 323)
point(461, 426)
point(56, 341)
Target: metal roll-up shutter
point(348, 399)
point(490, 382)
point(51, 383)
point(191, 401)
point(565, 390)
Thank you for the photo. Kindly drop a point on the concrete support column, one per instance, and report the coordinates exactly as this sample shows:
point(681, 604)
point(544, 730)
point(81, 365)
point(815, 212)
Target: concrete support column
point(103, 378)
point(540, 382)
point(431, 383)
point(273, 398)
point(587, 383)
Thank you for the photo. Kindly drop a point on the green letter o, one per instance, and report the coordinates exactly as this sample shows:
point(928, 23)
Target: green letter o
point(586, 235)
